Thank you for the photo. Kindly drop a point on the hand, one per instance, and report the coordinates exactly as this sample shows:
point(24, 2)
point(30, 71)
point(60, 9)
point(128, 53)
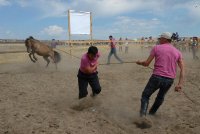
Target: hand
point(94, 64)
point(97, 64)
point(178, 88)
point(138, 62)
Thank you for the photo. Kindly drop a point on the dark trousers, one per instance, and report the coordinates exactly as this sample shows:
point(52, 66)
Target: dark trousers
point(113, 51)
point(84, 79)
point(156, 82)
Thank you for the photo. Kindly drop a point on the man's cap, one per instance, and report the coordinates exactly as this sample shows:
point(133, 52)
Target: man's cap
point(166, 35)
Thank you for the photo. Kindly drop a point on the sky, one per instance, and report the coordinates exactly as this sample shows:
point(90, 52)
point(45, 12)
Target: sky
point(47, 19)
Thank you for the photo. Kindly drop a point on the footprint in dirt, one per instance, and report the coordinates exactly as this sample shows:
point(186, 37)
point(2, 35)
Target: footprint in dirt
point(143, 123)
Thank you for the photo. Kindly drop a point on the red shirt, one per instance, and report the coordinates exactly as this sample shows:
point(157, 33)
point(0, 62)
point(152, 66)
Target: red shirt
point(112, 43)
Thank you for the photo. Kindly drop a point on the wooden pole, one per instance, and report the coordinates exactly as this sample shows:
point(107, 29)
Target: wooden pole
point(69, 31)
point(91, 27)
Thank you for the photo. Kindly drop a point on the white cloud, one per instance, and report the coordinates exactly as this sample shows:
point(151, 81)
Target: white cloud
point(117, 7)
point(154, 14)
point(54, 30)
point(4, 2)
point(52, 8)
point(23, 3)
point(48, 8)
point(133, 26)
point(104, 8)
point(194, 9)
point(130, 27)
point(6, 34)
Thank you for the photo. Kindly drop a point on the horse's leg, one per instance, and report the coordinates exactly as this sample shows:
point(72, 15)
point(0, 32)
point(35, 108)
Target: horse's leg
point(54, 60)
point(34, 57)
point(31, 57)
point(46, 58)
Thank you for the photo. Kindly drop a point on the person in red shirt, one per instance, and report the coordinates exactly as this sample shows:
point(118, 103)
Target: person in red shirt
point(113, 50)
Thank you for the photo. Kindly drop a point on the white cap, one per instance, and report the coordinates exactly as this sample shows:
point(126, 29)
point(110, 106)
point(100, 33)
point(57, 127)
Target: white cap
point(166, 35)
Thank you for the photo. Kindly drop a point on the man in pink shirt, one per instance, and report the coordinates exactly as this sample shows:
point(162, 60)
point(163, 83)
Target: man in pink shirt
point(166, 59)
point(113, 50)
point(88, 73)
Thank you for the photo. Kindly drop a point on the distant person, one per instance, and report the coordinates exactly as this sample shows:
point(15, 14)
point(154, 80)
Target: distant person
point(120, 44)
point(190, 44)
point(183, 44)
point(113, 50)
point(177, 36)
point(126, 45)
point(53, 43)
point(194, 47)
point(166, 59)
point(88, 73)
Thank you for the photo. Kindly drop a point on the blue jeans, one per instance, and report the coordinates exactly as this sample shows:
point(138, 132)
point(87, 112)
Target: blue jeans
point(156, 82)
point(113, 51)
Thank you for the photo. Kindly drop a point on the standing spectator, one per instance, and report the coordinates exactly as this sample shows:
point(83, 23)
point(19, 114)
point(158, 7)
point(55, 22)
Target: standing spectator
point(113, 50)
point(166, 59)
point(88, 73)
point(190, 44)
point(126, 45)
point(53, 43)
point(194, 47)
point(120, 44)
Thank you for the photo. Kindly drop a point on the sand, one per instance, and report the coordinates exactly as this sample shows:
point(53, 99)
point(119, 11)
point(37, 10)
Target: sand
point(39, 100)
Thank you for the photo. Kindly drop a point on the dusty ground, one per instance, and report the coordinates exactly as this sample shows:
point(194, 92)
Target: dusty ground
point(39, 100)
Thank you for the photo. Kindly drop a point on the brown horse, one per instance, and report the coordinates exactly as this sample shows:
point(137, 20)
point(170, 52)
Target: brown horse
point(35, 46)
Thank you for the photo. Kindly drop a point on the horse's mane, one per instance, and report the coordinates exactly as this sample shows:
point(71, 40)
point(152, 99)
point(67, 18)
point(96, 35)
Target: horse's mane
point(26, 41)
point(31, 39)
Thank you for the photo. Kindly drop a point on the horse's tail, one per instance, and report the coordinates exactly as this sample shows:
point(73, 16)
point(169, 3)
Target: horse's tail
point(57, 56)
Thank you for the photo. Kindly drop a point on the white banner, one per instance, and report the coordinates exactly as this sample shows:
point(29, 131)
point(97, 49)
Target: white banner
point(79, 22)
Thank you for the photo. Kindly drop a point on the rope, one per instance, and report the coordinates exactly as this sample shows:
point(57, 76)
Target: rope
point(117, 63)
point(126, 62)
point(189, 98)
point(185, 95)
point(69, 54)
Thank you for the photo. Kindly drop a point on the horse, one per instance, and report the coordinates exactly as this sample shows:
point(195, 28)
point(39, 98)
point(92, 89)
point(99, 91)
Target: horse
point(35, 46)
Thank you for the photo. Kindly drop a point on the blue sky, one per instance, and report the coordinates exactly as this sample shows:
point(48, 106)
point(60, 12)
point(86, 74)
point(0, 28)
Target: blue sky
point(47, 19)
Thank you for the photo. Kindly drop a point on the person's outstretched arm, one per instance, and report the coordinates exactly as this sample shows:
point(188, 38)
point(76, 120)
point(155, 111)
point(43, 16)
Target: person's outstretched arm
point(146, 62)
point(178, 87)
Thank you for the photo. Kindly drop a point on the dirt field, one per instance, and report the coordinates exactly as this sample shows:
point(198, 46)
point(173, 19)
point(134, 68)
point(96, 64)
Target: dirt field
point(39, 100)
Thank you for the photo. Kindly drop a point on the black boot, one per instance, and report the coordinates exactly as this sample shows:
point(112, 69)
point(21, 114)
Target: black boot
point(143, 109)
point(154, 108)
